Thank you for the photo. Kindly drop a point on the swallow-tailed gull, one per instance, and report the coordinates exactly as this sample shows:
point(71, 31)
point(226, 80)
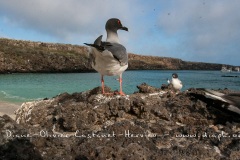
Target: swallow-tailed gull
point(176, 83)
point(110, 58)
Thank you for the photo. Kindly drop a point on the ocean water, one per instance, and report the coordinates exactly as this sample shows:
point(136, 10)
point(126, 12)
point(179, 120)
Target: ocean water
point(28, 87)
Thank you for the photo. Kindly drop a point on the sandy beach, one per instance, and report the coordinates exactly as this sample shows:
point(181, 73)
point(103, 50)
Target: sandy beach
point(8, 108)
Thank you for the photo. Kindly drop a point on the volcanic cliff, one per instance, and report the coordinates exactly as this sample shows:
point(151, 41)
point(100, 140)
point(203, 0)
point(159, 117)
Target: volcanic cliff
point(17, 56)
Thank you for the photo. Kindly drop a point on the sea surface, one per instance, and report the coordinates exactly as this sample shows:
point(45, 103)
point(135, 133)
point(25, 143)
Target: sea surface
point(17, 88)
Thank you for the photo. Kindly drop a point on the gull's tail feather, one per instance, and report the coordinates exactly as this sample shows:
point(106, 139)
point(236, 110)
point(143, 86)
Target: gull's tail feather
point(230, 101)
point(97, 44)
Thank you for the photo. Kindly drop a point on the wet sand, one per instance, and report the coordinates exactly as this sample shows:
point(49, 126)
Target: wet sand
point(8, 108)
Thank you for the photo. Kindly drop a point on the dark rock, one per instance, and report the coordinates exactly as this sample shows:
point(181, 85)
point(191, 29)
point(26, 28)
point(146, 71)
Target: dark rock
point(14, 141)
point(150, 124)
point(144, 88)
point(230, 76)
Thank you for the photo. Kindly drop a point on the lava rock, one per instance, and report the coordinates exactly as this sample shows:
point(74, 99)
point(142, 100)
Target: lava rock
point(150, 124)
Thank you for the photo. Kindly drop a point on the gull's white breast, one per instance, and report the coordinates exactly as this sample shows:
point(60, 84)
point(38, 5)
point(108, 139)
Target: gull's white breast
point(106, 64)
point(177, 84)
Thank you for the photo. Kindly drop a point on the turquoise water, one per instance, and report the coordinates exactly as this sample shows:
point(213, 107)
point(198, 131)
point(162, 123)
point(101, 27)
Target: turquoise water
point(28, 87)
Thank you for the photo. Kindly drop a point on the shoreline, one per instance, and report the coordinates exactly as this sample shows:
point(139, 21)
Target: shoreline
point(93, 71)
point(8, 108)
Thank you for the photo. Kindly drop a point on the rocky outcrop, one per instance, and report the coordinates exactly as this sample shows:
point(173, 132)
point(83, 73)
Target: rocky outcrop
point(13, 143)
point(165, 63)
point(25, 56)
point(153, 123)
point(18, 56)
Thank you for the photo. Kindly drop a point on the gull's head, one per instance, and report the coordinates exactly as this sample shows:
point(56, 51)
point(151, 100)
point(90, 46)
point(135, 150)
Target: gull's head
point(114, 24)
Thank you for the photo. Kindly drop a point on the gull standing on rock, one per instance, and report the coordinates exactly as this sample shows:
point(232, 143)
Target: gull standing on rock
point(175, 82)
point(109, 58)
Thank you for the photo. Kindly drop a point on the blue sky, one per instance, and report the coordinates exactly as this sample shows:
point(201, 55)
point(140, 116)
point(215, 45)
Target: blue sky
point(192, 30)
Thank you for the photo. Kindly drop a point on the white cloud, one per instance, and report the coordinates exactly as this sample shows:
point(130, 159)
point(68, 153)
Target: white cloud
point(200, 30)
point(64, 18)
point(207, 28)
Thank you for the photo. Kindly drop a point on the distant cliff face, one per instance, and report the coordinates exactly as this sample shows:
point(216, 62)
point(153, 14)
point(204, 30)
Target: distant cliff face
point(153, 62)
point(26, 56)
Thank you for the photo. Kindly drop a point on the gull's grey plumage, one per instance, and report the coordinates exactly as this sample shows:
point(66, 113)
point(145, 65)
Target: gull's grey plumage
point(230, 101)
point(110, 57)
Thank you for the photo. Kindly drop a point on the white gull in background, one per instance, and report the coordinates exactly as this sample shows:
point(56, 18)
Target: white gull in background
point(175, 82)
point(110, 58)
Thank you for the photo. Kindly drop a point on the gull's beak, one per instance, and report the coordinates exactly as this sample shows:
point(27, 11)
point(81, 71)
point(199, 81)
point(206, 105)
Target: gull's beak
point(124, 28)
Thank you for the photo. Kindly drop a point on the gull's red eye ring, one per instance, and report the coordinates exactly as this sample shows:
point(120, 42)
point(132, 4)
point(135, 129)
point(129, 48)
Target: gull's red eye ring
point(119, 22)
